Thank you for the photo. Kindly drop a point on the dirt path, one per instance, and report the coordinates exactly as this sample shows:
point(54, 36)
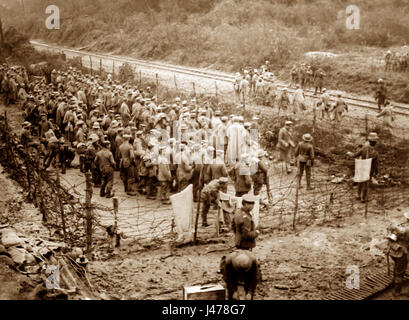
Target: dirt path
point(312, 262)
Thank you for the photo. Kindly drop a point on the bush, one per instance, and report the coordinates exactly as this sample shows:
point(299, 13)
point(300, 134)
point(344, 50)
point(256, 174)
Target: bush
point(126, 73)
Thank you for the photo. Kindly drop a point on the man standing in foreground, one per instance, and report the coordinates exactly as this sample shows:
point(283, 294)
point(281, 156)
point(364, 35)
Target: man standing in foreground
point(243, 224)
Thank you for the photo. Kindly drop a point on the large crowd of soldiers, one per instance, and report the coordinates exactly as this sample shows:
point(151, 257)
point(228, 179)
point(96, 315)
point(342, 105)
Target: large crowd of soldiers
point(160, 148)
point(157, 147)
point(397, 61)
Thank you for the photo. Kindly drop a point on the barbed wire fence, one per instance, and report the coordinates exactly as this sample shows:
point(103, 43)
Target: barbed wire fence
point(67, 208)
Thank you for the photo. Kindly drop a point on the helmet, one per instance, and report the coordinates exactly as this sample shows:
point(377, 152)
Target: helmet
point(242, 261)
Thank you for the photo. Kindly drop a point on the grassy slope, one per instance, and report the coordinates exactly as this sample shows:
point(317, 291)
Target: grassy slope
point(229, 34)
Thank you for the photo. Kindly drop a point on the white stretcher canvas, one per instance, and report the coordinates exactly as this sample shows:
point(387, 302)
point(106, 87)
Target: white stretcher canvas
point(182, 205)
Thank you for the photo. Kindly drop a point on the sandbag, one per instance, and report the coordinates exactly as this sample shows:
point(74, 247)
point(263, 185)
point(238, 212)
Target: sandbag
point(362, 170)
point(18, 255)
point(182, 205)
point(9, 238)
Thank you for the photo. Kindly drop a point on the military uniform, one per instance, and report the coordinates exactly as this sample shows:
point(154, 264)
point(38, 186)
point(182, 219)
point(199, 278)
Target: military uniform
point(260, 177)
point(380, 96)
point(104, 160)
point(90, 155)
point(126, 164)
point(242, 179)
point(184, 172)
point(164, 178)
point(367, 152)
point(398, 251)
point(244, 230)
point(210, 194)
point(305, 154)
point(238, 274)
point(67, 154)
point(285, 142)
point(319, 80)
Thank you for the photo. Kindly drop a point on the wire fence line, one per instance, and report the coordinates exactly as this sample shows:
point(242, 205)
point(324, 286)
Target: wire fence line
point(65, 208)
point(66, 211)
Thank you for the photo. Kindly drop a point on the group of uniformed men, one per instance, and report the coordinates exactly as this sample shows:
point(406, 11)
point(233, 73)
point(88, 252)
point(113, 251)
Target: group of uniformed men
point(397, 61)
point(156, 147)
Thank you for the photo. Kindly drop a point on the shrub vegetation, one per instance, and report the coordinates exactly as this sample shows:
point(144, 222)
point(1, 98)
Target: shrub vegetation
point(230, 34)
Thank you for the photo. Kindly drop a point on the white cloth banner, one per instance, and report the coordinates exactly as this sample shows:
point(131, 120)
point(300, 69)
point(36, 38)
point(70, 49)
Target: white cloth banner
point(362, 170)
point(182, 205)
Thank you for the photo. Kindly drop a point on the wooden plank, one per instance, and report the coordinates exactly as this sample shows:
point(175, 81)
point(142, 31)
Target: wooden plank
point(347, 296)
point(338, 296)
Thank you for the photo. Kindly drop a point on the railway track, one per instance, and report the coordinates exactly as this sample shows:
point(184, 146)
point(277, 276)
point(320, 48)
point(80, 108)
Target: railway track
point(402, 109)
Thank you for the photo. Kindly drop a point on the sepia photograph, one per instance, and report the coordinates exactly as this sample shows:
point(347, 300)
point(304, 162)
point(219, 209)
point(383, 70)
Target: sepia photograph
point(186, 152)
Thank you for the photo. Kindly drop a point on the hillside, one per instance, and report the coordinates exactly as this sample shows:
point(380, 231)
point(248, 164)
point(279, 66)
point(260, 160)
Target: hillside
point(230, 34)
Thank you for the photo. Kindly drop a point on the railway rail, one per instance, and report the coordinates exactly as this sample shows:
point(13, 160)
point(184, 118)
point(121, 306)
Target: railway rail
point(402, 109)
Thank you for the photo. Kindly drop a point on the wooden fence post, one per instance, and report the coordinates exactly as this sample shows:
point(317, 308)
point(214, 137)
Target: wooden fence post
point(198, 208)
point(27, 164)
point(157, 89)
point(244, 102)
point(194, 89)
point(113, 69)
point(215, 84)
point(176, 85)
point(100, 66)
point(296, 204)
point(88, 197)
point(115, 200)
point(140, 79)
point(314, 121)
point(7, 137)
point(367, 197)
point(90, 64)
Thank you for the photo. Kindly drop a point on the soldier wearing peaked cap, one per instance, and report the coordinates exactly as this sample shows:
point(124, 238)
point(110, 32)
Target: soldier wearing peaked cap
point(243, 224)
